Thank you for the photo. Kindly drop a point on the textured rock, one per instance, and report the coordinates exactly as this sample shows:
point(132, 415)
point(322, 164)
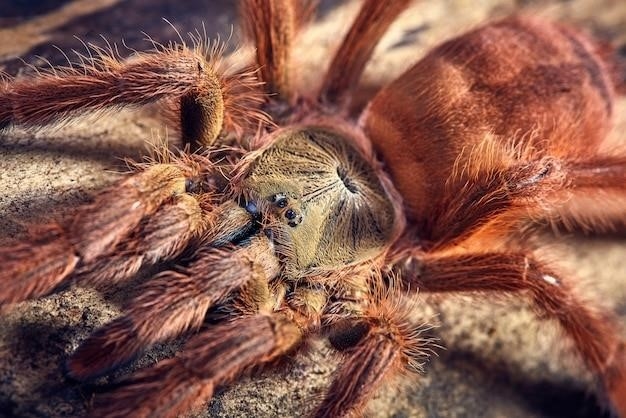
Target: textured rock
point(499, 361)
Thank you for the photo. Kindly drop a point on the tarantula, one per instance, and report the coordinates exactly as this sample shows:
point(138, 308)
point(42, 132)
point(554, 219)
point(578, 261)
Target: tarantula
point(291, 213)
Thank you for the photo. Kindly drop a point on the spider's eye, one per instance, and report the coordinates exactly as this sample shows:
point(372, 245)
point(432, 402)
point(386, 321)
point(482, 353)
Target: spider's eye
point(290, 214)
point(327, 192)
point(280, 200)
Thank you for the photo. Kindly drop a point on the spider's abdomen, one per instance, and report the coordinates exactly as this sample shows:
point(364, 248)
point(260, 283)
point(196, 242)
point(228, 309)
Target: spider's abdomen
point(513, 81)
point(327, 202)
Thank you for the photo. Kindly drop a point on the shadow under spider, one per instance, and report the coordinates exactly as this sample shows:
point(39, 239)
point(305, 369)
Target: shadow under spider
point(546, 398)
point(83, 150)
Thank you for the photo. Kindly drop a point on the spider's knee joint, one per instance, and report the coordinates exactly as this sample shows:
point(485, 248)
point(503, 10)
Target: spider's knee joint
point(346, 334)
point(548, 170)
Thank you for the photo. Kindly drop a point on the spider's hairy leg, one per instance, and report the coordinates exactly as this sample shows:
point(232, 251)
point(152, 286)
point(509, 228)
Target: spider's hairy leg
point(595, 333)
point(495, 199)
point(172, 303)
point(212, 358)
point(162, 236)
point(497, 195)
point(591, 181)
point(388, 345)
point(33, 267)
point(106, 83)
point(116, 222)
point(272, 26)
point(360, 375)
point(356, 49)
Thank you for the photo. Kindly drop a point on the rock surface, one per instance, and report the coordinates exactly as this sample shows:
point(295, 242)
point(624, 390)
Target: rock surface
point(499, 361)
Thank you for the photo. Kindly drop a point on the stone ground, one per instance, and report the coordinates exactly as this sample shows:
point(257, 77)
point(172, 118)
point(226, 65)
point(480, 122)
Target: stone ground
point(499, 361)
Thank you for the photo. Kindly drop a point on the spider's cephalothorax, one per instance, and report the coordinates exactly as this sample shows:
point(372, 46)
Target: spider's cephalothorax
point(270, 234)
point(331, 209)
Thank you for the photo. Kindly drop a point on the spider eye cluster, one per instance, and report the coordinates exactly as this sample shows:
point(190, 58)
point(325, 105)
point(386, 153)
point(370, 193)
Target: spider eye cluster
point(329, 206)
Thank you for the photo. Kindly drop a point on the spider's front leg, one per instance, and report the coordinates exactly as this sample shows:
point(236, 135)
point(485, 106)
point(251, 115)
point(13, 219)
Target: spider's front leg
point(172, 303)
point(212, 358)
point(204, 93)
point(253, 335)
point(143, 219)
point(595, 333)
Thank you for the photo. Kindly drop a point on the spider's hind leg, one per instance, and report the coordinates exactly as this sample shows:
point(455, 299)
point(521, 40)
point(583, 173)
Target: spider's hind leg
point(272, 26)
point(594, 332)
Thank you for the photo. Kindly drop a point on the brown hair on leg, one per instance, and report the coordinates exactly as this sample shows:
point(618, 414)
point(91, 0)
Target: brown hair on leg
point(388, 343)
point(106, 82)
point(594, 332)
point(272, 26)
point(170, 304)
point(162, 236)
point(212, 358)
point(359, 376)
point(99, 226)
point(193, 76)
point(35, 265)
point(469, 202)
point(597, 194)
point(50, 253)
point(491, 202)
point(357, 47)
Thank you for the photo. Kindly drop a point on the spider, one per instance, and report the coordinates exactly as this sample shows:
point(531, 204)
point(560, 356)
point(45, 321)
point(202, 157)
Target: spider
point(323, 212)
